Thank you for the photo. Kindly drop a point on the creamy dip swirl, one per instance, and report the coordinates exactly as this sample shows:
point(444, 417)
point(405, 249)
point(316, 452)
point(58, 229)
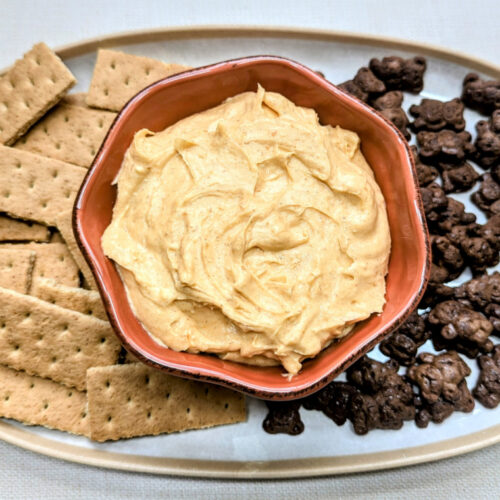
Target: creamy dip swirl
point(250, 231)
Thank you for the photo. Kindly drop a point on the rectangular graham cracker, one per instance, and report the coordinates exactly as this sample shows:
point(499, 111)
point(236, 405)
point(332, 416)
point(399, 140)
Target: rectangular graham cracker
point(68, 133)
point(134, 400)
point(65, 227)
point(53, 261)
point(118, 77)
point(37, 188)
point(77, 299)
point(52, 342)
point(37, 401)
point(16, 230)
point(29, 89)
point(16, 268)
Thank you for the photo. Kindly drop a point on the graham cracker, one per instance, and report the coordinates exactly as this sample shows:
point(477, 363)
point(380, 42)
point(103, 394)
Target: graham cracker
point(69, 133)
point(29, 89)
point(134, 400)
point(118, 77)
point(53, 261)
point(16, 230)
point(76, 299)
point(16, 268)
point(65, 227)
point(76, 99)
point(52, 342)
point(36, 188)
point(37, 401)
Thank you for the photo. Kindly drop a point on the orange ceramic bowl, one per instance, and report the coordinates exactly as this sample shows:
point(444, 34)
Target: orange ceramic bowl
point(167, 101)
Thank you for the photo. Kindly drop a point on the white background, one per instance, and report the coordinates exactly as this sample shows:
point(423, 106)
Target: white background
point(471, 27)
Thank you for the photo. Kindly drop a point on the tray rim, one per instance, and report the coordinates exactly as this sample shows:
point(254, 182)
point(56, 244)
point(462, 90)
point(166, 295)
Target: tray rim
point(251, 31)
point(274, 469)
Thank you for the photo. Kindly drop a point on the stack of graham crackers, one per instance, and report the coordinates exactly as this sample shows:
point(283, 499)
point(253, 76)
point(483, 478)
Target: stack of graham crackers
point(59, 358)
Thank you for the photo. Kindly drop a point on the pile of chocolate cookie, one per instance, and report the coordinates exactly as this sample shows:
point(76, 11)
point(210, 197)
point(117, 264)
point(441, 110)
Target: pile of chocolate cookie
point(459, 320)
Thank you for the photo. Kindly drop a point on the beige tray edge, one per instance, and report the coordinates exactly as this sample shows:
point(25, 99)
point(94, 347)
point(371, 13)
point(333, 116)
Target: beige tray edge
point(277, 469)
point(235, 31)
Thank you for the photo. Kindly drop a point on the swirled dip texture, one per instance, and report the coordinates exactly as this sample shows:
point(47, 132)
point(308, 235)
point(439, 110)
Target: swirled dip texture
point(250, 231)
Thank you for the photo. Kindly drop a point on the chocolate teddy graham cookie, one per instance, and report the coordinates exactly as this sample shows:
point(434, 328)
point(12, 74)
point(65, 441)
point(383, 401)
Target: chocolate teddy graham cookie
point(487, 143)
point(487, 390)
point(487, 197)
point(442, 388)
point(434, 115)
point(364, 85)
point(403, 344)
point(389, 105)
point(481, 95)
point(400, 74)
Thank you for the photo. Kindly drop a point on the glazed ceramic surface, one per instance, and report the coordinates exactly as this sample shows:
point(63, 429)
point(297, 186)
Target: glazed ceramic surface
point(163, 104)
point(244, 450)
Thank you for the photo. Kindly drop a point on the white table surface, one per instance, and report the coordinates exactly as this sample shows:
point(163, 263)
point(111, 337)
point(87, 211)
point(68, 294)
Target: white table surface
point(471, 27)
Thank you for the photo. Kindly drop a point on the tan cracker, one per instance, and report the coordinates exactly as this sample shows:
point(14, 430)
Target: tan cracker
point(37, 401)
point(53, 261)
point(52, 342)
point(16, 230)
point(118, 77)
point(69, 133)
point(135, 400)
point(77, 299)
point(16, 268)
point(29, 89)
point(65, 227)
point(36, 188)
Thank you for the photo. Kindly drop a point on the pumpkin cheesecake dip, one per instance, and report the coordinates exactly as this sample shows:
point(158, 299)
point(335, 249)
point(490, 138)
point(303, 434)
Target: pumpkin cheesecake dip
point(250, 231)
